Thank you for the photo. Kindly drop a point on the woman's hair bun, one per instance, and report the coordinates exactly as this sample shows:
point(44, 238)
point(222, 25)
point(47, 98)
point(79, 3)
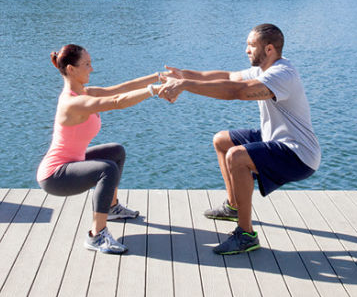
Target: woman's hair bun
point(69, 54)
point(54, 56)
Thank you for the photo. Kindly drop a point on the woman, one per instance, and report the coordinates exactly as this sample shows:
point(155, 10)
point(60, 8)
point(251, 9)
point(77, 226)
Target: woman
point(69, 167)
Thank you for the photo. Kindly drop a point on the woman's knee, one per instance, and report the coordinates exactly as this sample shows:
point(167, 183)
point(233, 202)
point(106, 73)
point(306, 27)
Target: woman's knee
point(110, 171)
point(119, 153)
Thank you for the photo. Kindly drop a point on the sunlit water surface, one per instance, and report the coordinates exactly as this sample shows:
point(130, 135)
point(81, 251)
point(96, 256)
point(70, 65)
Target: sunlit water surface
point(170, 146)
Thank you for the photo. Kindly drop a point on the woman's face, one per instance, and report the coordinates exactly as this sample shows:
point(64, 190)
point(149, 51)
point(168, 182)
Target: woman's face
point(82, 71)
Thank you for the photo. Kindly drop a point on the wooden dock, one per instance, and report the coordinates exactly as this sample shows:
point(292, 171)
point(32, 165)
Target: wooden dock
point(308, 238)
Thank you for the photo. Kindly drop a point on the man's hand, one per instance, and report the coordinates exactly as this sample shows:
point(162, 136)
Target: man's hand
point(173, 72)
point(171, 89)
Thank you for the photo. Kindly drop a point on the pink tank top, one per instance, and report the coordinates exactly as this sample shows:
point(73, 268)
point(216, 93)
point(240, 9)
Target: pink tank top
point(69, 144)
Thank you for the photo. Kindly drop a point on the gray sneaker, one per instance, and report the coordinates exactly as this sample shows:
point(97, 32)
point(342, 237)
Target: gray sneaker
point(118, 211)
point(239, 242)
point(223, 212)
point(104, 242)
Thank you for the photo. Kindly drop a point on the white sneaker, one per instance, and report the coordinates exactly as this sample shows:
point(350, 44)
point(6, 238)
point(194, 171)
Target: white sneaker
point(104, 242)
point(118, 211)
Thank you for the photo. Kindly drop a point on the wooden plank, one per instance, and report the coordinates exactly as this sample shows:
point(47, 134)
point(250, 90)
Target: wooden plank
point(49, 279)
point(335, 237)
point(17, 232)
point(352, 195)
point(323, 235)
point(9, 207)
point(294, 272)
point(242, 278)
point(106, 267)
point(313, 258)
point(348, 210)
point(159, 277)
point(187, 280)
point(271, 281)
point(3, 193)
point(212, 267)
point(27, 264)
point(132, 272)
point(80, 263)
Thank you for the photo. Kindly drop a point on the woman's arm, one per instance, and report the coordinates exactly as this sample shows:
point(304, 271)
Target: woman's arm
point(84, 105)
point(125, 87)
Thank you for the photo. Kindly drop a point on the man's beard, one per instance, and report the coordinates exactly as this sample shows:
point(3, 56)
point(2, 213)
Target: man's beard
point(258, 60)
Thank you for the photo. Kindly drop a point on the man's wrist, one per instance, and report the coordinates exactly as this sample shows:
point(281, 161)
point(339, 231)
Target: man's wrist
point(184, 84)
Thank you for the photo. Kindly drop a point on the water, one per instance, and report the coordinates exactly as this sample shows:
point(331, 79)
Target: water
point(170, 146)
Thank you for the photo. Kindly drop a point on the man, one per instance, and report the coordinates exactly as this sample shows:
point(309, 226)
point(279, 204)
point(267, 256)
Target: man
point(285, 148)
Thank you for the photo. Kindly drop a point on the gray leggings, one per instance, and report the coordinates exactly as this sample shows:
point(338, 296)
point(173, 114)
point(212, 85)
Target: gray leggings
point(102, 167)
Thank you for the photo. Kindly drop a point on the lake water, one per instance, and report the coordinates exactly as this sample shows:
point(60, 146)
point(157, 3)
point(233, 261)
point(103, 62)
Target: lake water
point(170, 146)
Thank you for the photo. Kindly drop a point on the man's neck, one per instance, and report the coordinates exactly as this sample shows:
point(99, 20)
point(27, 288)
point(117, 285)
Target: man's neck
point(269, 62)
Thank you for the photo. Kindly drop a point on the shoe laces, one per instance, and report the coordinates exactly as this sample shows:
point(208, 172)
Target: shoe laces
point(226, 207)
point(109, 238)
point(237, 232)
point(117, 208)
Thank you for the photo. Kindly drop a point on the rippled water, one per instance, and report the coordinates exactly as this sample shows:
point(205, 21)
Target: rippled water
point(170, 146)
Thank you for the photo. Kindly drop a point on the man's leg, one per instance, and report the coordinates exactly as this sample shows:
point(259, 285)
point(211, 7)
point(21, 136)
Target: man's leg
point(240, 167)
point(222, 143)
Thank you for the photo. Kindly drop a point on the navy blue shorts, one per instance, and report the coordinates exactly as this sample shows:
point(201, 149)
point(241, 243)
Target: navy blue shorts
point(275, 162)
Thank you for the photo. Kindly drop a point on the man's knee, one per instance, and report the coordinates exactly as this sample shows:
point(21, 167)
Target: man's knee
point(237, 157)
point(222, 141)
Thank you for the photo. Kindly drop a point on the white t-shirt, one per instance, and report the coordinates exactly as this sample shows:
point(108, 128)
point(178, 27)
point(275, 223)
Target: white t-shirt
point(286, 119)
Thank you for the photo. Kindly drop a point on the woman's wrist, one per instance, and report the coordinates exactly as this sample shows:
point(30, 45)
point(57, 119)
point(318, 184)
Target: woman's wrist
point(153, 89)
point(156, 89)
point(150, 88)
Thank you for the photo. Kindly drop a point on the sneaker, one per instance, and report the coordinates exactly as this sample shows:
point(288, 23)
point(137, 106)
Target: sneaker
point(104, 242)
point(239, 242)
point(118, 211)
point(223, 212)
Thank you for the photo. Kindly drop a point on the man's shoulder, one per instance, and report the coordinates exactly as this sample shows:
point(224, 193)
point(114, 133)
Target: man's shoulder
point(282, 67)
point(282, 64)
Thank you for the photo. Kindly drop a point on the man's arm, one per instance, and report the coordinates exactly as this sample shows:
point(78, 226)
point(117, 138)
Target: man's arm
point(220, 89)
point(201, 75)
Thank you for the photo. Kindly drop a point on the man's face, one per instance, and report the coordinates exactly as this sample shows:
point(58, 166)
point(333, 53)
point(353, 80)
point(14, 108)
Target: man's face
point(255, 49)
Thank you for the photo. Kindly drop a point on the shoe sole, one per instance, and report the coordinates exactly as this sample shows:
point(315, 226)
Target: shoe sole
point(223, 218)
point(252, 248)
point(110, 218)
point(91, 248)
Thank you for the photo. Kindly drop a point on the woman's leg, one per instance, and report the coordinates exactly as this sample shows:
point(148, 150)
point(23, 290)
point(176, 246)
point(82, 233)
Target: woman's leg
point(77, 177)
point(109, 151)
point(116, 153)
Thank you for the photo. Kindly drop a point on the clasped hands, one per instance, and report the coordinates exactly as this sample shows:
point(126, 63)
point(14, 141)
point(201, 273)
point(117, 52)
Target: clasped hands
point(171, 86)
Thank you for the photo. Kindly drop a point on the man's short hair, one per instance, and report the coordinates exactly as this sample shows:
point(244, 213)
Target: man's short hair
point(270, 34)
